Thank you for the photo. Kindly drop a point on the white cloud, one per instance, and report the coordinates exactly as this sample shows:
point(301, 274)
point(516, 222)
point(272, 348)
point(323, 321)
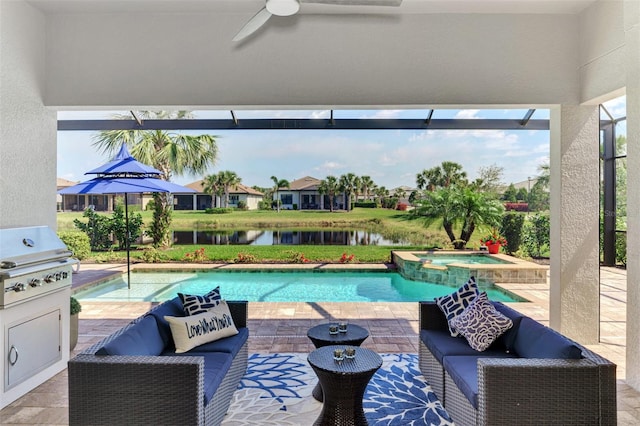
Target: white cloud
point(468, 113)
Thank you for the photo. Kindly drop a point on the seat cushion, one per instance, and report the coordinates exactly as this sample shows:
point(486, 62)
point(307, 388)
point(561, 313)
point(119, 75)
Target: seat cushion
point(441, 344)
point(230, 345)
point(216, 366)
point(534, 340)
point(143, 338)
point(464, 373)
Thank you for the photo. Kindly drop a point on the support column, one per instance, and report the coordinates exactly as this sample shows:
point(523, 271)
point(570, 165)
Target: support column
point(574, 300)
point(632, 39)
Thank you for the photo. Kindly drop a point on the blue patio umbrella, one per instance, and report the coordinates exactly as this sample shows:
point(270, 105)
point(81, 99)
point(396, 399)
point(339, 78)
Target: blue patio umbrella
point(125, 175)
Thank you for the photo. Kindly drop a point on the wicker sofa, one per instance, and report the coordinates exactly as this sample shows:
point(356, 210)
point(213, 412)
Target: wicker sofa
point(531, 375)
point(149, 383)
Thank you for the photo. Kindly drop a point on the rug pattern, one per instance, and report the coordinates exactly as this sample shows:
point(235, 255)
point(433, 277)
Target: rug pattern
point(276, 390)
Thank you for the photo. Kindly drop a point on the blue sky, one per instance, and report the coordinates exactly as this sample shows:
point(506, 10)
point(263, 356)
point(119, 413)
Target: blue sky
point(391, 157)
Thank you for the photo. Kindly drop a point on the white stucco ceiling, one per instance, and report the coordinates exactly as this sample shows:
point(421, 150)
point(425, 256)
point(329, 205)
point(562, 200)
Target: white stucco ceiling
point(251, 6)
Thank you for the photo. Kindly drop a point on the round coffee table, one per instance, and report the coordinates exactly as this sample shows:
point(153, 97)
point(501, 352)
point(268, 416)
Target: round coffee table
point(344, 383)
point(320, 337)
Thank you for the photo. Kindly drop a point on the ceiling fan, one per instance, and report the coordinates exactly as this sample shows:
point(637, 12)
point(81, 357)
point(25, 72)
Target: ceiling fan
point(291, 7)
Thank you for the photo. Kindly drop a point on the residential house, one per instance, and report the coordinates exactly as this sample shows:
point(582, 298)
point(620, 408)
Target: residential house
point(303, 194)
point(201, 200)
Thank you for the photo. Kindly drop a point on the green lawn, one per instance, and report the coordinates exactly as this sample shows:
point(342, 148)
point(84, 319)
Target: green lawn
point(391, 224)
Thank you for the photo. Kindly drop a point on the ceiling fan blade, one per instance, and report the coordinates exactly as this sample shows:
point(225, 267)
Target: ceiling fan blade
point(258, 20)
point(394, 3)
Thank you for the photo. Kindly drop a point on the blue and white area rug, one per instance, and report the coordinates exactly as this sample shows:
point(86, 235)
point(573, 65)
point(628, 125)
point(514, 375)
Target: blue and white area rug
point(277, 391)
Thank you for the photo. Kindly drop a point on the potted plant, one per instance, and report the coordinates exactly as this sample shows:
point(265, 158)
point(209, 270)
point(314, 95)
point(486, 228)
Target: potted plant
point(493, 241)
point(74, 310)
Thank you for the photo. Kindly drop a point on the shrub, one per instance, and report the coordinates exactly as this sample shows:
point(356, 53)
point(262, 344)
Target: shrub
point(347, 259)
point(242, 205)
point(402, 206)
point(295, 207)
point(245, 258)
point(511, 229)
point(75, 306)
point(119, 226)
point(77, 242)
point(296, 257)
point(536, 234)
point(151, 255)
point(365, 204)
point(621, 248)
point(97, 228)
point(219, 210)
point(197, 256)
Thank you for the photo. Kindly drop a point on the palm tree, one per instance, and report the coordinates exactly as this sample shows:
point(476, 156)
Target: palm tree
point(277, 184)
point(213, 185)
point(357, 188)
point(228, 179)
point(348, 185)
point(171, 153)
point(366, 184)
point(460, 206)
point(443, 176)
point(329, 186)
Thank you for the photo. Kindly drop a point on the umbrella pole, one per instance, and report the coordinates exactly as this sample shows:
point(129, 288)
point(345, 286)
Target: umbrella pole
point(126, 221)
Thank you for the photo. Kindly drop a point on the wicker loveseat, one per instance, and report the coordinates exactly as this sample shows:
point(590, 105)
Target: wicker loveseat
point(531, 375)
point(149, 383)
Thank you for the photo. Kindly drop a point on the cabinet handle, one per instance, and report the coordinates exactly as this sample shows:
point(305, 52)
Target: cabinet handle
point(15, 351)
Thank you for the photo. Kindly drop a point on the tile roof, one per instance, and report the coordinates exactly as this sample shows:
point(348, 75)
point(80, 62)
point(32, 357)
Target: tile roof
point(305, 183)
point(236, 189)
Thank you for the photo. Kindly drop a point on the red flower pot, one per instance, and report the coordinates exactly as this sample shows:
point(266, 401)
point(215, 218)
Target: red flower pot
point(493, 248)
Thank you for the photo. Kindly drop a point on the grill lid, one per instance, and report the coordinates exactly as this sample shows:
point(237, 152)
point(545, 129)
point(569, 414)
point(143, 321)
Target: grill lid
point(20, 247)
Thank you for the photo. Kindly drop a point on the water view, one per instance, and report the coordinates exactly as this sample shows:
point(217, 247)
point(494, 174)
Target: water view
point(264, 237)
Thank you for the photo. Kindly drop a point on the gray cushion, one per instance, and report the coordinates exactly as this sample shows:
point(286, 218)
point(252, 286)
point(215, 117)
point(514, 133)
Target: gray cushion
point(534, 340)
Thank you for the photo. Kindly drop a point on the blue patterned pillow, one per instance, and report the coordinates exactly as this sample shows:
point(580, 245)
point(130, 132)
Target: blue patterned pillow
point(453, 304)
point(194, 305)
point(481, 324)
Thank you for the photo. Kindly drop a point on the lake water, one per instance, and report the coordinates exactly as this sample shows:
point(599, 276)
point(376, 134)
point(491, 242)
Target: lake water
point(284, 237)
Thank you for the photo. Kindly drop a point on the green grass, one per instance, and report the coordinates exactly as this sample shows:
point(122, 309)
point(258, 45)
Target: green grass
point(391, 224)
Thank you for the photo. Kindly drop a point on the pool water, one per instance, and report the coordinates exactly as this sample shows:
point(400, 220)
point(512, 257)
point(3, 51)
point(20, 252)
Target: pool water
point(274, 286)
point(473, 259)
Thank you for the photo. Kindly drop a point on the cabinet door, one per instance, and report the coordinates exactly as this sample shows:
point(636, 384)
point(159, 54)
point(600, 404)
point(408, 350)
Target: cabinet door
point(32, 346)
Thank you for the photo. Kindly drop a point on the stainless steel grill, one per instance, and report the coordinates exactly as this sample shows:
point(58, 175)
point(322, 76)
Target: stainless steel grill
point(33, 262)
point(35, 272)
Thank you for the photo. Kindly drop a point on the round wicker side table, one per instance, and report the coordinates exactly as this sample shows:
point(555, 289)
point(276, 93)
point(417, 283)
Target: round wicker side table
point(344, 383)
point(319, 336)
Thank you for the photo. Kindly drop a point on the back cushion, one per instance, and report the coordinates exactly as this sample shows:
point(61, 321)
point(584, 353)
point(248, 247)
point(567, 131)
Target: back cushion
point(534, 340)
point(507, 340)
point(172, 308)
point(142, 338)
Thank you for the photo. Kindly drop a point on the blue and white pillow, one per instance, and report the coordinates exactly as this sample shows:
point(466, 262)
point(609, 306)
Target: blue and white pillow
point(453, 304)
point(481, 324)
point(194, 305)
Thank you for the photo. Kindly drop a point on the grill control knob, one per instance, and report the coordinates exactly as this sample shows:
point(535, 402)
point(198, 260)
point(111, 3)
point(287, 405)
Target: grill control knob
point(19, 287)
point(35, 282)
point(50, 278)
point(65, 275)
point(58, 276)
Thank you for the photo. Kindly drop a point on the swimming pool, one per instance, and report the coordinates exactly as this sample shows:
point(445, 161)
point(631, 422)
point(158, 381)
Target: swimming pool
point(472, 259)
point(274, 286)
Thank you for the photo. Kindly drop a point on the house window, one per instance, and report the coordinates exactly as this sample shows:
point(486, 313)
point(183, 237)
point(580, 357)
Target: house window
point(233, 199)
point(286, 198)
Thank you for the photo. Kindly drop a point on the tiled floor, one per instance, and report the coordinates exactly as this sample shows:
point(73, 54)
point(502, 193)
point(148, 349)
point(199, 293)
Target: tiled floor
point(281, 327)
